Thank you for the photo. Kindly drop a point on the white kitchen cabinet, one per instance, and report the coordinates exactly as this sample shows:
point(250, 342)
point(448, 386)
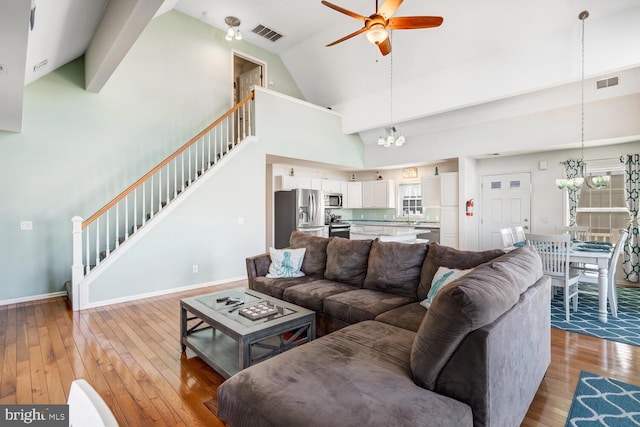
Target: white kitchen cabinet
point(431, 191)
point(379, 194)
point(352, 198)
point(331, 186)
point(285, 183)
point(449, 189)
point(314, 184)
point(449, 226)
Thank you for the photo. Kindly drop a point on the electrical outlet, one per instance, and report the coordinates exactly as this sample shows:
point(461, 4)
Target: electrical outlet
point(361, 216)
point(26, 225)
point(195, 268)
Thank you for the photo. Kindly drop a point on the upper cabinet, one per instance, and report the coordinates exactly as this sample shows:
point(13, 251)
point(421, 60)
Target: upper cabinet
point(449, 189)
point(379, 194)
point(287, 182)
point(431, 191)
point(351, 195)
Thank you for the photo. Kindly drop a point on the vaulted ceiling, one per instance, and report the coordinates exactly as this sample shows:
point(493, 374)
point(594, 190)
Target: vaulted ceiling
point(483, 53)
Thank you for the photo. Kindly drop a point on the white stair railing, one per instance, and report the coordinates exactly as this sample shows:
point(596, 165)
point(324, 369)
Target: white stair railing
point(97, 237)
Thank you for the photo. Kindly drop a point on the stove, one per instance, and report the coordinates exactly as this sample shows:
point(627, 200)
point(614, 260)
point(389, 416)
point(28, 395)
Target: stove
point(339, 229)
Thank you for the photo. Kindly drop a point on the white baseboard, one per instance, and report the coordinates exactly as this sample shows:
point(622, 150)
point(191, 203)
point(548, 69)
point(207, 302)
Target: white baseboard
point(159, 293)
point(32, 298)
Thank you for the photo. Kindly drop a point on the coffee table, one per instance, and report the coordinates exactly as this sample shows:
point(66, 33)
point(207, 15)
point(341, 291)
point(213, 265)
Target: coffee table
point(228, 341)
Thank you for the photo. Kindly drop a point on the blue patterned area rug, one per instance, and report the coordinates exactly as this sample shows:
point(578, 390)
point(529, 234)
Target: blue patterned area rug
point(601, 401)
point(625, 328)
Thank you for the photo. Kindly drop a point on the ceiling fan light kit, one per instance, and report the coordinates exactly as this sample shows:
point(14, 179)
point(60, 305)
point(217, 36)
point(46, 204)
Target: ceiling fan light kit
point(377, 34)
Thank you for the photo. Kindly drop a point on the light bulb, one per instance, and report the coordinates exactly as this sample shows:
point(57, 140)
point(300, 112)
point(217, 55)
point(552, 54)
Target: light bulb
point(400, 141)
point(231, 32)
point(238, 34)
point(377, 34)
point(381, 140)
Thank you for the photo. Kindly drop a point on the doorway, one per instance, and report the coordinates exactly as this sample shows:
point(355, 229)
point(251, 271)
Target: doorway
point(247, 72)
point(506, 202)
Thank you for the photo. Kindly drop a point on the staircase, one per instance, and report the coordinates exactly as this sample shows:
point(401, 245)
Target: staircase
point(99, 237)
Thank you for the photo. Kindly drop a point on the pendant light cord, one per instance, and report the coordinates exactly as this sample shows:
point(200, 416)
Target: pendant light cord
point(582, 93)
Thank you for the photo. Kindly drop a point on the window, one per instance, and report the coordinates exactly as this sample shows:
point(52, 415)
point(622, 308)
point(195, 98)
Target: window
point(410, 200)
point(603, 210)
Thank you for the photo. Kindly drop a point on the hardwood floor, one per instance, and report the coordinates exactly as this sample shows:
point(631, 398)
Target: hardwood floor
point(131, 355)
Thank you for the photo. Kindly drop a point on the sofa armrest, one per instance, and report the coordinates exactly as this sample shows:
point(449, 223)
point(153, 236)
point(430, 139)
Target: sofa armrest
point(497, 369)
point(257, 266)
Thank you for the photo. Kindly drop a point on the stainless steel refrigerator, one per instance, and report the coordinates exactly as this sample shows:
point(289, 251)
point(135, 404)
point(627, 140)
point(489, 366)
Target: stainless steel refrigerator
point(301, 210)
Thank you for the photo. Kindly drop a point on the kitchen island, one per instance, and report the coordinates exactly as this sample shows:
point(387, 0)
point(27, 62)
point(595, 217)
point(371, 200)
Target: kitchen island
point(386, 233)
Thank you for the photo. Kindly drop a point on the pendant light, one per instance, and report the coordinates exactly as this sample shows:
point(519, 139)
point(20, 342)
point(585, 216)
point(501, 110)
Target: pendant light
point(392, 137)
point(594, 182)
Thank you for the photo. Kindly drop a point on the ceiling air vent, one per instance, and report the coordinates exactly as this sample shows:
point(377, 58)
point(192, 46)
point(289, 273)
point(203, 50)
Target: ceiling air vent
point(267, 33)
point(611, 81)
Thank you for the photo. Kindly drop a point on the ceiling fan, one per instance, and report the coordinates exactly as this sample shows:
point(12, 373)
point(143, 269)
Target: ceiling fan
point(376, 25)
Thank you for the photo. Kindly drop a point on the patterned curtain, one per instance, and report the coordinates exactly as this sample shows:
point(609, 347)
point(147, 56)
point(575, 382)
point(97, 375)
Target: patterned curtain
point(631, 263)
point(573, 167)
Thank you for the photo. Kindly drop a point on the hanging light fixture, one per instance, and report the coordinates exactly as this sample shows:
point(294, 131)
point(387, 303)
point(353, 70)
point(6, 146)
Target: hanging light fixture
point(392, 137)
point(592, 181)
point(234, 28)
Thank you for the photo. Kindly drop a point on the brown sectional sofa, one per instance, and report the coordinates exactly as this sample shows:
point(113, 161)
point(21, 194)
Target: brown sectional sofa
point(476, 357)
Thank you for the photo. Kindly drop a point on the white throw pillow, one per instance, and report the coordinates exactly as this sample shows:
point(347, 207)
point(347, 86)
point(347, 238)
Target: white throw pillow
point(286, 263)
point(443, 277)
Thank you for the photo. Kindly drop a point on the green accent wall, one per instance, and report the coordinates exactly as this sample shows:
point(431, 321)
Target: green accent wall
point(79, 149)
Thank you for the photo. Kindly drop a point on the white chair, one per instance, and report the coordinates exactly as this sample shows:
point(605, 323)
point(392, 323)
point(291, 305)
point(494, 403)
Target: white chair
point(554, 251)
point(86, 407)
point(518, 234)
point(507, 237)
point(576, 232)
point(590, 274)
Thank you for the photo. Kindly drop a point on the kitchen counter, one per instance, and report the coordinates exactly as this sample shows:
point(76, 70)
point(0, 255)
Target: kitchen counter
point(396, 223)
point(386, 233)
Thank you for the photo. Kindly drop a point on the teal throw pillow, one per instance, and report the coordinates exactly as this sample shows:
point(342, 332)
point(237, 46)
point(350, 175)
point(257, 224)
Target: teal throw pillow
point(443, 277)
point(286, 263)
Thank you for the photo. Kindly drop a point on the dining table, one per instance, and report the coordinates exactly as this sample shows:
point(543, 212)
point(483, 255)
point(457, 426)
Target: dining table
point(600, 258)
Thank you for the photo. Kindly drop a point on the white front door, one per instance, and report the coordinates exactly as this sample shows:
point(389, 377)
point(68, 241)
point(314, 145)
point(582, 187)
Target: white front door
point(506, 202)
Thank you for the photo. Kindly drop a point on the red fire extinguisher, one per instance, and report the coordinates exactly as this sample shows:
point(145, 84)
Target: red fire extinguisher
point(470, 207)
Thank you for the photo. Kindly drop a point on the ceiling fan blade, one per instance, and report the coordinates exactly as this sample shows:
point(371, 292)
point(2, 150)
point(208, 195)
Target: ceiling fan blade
point(355, 33)
point(343, 10)
point(388, 8)
point(414, 22)
point(385, 47)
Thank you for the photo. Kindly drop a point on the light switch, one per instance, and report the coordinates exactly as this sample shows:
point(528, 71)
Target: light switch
point(26, 225)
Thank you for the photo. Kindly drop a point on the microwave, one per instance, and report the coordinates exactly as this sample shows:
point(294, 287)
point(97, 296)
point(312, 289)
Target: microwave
point(332, 200)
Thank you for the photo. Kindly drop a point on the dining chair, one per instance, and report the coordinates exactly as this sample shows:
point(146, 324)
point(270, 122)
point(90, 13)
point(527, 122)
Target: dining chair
point(578, 232)
point(589, 275)
point(554, 251)
point(518, 234)
point(507, 237)
point(86, 407)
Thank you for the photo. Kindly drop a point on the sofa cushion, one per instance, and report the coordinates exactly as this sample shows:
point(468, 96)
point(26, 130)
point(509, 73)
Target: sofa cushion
point(357, 376)
point(438, 255)
point(315, 259)
point(406, 317)
point(275, 287)
point(361, 304)
point(310, 295)
point(395, 267)
point(469, 303)
point(347, 260)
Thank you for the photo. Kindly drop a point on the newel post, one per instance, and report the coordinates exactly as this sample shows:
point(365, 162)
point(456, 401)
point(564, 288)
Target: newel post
point(77, 269)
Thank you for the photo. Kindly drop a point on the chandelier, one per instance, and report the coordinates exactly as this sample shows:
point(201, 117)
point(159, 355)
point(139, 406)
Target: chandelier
point(592, 181)
point(234, 28)
point(392, 137)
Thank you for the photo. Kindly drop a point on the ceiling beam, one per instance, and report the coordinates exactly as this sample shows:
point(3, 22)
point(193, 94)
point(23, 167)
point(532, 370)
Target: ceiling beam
point(121, 25)
point(14, 31)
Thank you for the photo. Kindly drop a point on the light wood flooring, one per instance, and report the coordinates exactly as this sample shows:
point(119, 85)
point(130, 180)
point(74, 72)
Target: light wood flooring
point(131, 354)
